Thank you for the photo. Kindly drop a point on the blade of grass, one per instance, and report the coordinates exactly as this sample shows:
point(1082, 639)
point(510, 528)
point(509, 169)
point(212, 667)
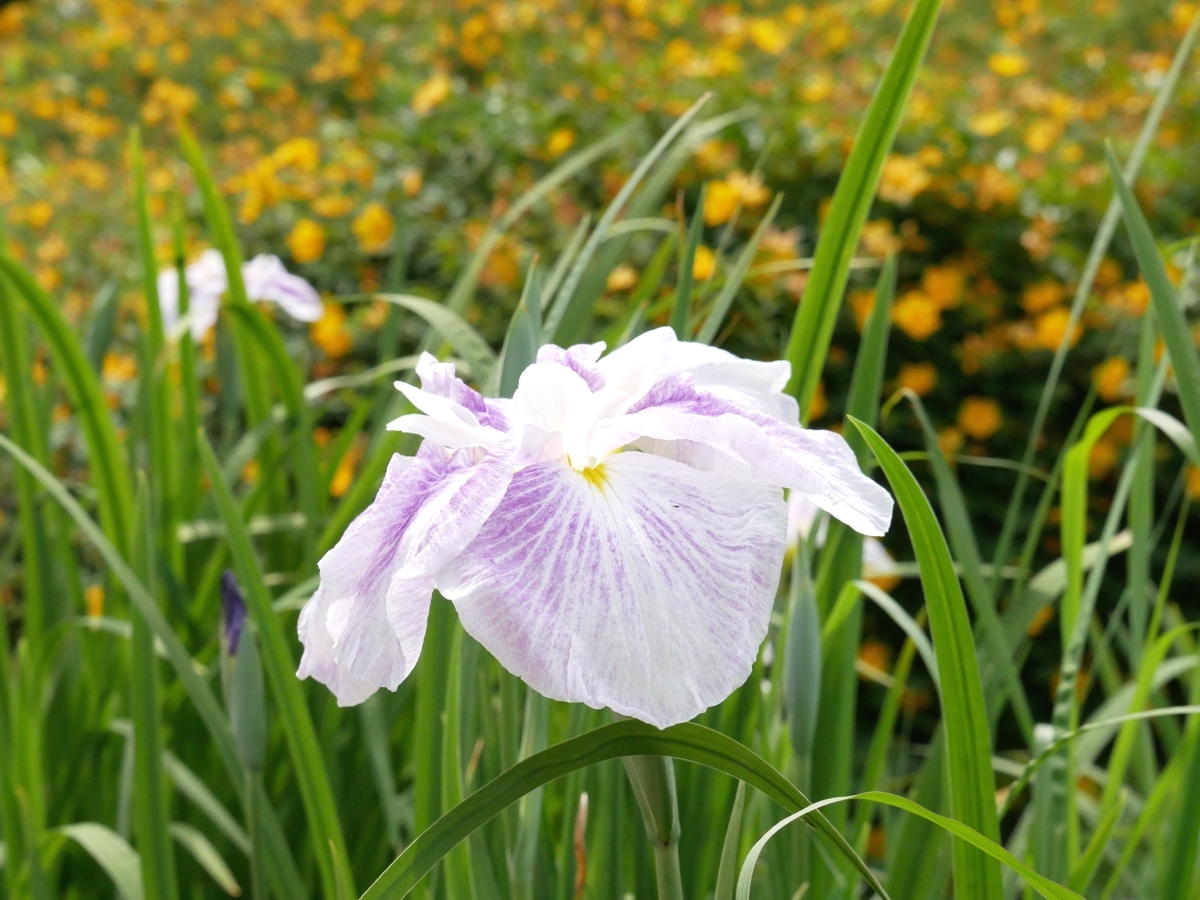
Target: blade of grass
point(689, 742)
point(20, 406)
point(150, 798)
point(573, 301)
point(812, 328)
point(1162, 295)
point(155, 385)
point(325, 828)
point(733, 281)
point(207, 857)
point(459, 884)
point(109, 468)
point(961, 533)
point(727, 874)
point(964, 833)
point(112, 853)
point(681, 305)
point(971, 784)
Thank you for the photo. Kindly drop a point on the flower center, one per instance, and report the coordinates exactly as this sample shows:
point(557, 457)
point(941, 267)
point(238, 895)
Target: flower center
point(595, 475)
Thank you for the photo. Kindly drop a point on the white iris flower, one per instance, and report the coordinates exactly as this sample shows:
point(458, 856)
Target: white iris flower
point(613, 534)
point(265, 278)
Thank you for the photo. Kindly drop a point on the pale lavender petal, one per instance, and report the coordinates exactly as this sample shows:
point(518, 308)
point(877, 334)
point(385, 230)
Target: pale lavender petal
point(581, 359)
point(439, 378)
point(646, 588)
point(445, 420)
point(266, 278)
point(819, 464)
point(168, 298)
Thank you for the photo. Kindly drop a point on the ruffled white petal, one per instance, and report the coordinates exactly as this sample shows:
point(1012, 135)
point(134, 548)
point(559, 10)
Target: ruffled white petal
point(206, 282)
point(646, 588)
point(266, 278)
point(364, 627)
point(819, 464)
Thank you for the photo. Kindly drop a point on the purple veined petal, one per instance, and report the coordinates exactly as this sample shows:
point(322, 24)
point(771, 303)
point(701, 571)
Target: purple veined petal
point(348, 643)
point(580, 358)
point(817, 463)
point(364, 627)
point(440, 379)
point(445, 420)
point(645, 587)
point(266, 278)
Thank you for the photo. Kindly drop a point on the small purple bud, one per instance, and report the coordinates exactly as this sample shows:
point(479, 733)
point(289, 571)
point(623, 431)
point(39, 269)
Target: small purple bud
point(233, 611)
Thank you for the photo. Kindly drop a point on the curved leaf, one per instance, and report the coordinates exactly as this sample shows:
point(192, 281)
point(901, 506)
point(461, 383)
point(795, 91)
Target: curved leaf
point(968, 745)
point(112, 853)
point(458, 333)
point(206, 856)
point(1042, 885)
point(689, 742)
point(109, 467)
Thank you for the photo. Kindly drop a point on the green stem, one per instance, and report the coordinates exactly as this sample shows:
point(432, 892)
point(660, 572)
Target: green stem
point(653, 782)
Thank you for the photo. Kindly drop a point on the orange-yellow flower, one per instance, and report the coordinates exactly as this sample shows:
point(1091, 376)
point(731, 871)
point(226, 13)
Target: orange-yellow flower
point(704, 264)
point(93, 595)
point(920, 378)
point(1042, 295)
point(431, 94)
point(980, 417)
point(307, 241)
point(561, 140)
point(903, 179)
point(1193, 482)
point(374, 228)
point(1051, 327)
point(1110, 377)
point(916, 315)
point(1008, 65)
point(329, 332)
point(622, 278)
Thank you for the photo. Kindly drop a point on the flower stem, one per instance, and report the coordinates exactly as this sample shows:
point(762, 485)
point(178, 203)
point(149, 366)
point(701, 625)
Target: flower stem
point(653, 782)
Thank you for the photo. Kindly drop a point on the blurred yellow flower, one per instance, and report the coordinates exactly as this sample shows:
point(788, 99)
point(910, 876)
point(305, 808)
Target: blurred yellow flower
point(302, 153)
point(979, 417)
point(879, 238)
point(1052, 325)
point(903, 179)
point(944, 284)
point(704, 264)
point(715, 155)
point(8, 124)
point(306, 241)
point(769, 36)
point(1041, 295)
point(373, 227)
point(1008, 65)
point(950, 441)
point(622, 278)
point(561, 140)
point(1103, 458)
point(1042, 135)
point(432, 93)
point(93, 595)
point(916, 315)
point(1193, 482)
point(330, 333)
point(343, 476)
point(1110, 378)
point(920, 378)
point(990, 123)
point(820, 403)
point(119, 367)
point(39, 213)
point(720, 202)
point(411, 182)
point(332, 206)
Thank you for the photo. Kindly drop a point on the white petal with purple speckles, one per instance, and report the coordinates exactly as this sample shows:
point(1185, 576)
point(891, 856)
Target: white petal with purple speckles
point(267, 279)
point(364, 627)
point(646, 587)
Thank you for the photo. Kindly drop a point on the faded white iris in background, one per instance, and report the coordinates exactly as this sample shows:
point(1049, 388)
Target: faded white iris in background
point(613, 534)
point(265, 278)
